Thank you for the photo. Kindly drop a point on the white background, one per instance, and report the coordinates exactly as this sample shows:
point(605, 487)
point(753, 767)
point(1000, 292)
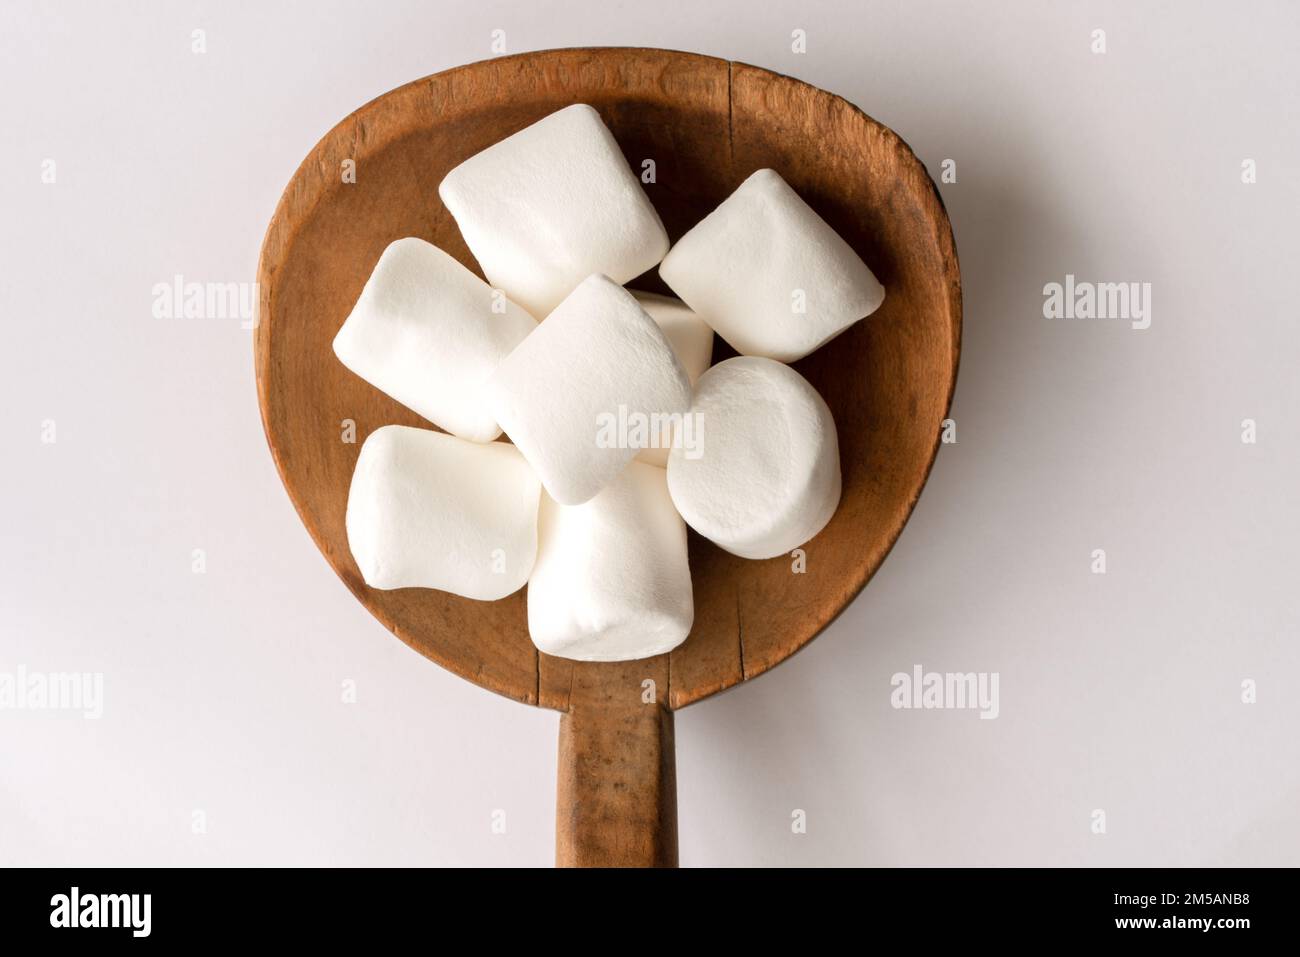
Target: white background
point(1119, 692)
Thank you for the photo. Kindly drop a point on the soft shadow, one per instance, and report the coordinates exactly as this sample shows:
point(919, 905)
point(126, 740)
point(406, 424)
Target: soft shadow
point(1011, 238)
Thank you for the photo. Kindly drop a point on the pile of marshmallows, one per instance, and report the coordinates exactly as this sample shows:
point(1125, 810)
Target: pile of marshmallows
point(593, 396)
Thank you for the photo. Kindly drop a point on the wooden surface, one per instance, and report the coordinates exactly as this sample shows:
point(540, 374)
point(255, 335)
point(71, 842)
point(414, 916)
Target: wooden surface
point(707, 124)
point(616, 803)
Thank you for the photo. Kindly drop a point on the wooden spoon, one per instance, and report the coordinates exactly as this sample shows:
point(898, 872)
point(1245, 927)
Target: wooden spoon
point(706, 124)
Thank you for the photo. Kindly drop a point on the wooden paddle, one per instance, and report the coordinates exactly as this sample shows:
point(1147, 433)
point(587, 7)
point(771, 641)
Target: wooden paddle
point(705, 124)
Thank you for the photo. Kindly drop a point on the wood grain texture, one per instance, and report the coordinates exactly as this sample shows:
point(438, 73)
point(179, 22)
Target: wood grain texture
point(616, 800)
point(707, 124)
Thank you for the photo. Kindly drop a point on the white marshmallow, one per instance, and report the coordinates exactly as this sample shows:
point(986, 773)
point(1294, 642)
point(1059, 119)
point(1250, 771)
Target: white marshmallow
point(612, 582)
point(750, 265)
point(429, 333)
point(545, 208)
point(572, 394)
point(768, 478)
point(689, 335)
point(429, 510)
point(692, 341)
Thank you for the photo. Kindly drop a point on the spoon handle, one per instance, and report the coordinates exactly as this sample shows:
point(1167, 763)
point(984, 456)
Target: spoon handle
point(616, 805)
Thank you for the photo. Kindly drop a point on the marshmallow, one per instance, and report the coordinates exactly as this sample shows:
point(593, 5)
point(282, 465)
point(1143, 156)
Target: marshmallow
point(545, 208)
point(429, 510)
point(689, 335)
point(429, 333)
point(767, 478)
point(580, 395)
point(692, 341)
point(769, 274)
point(612, 581)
